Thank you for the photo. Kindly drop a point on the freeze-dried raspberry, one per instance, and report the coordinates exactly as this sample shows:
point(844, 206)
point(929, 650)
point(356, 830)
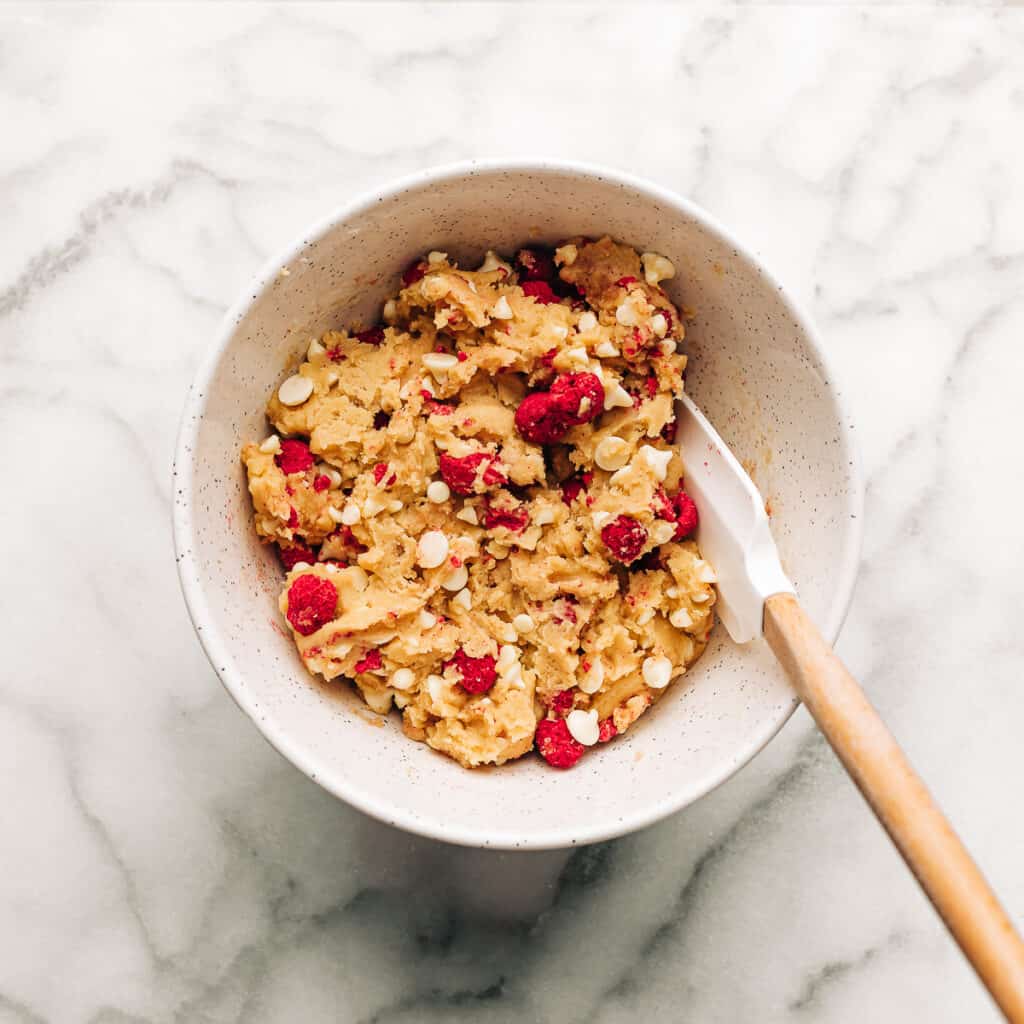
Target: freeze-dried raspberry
point(606, 730)
point(348, 538)
point(686, 515)
point(667, 314)
point(540, 292)
point(312, 601)
point(460, 472)
point(625, 538)
point(371, 336)
point(413, 272)
point(437, 408)
point(478, 674)
point(556, 745)
point(569, 391)
point(370, 662)
point(651, 384)
point(625, 282)
point(561, 702)
point(514, 519)
point(291, 556)
point(321, 483)
point(461, 356)
point(662, 506)
point(378, 474)
point(294, 457)
point(293, 518)
point(539, 420)
point(575, 486)
point(549, 357)
point(535, 265)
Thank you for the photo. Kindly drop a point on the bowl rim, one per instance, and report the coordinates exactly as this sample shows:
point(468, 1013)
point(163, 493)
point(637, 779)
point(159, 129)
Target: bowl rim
point(217, 650)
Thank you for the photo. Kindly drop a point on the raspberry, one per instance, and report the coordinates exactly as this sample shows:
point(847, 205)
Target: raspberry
point(478, 674)
point(312, 601)
point(574, 487)
point(556, 745)
point(625, 282)
point(539, 420)
point(437, 408)
point(549, 357)
point(461, 356)
point(662, 506)
point(535, 265)
point(460, 473)
point(540, 292)
point(686, 515)
point(668, 319)
point(651, 384)
point(293, 518)
point(606, 731)
point(413, 272)
point(372, 336)
point(514, 519)
point(625, 538)
point(668, 432)
point(348, 538)
point(291, 556)
point(568, 392)
point(561, 702)
point(336, 355)
point(321, 483)
point(378, 474)
point(370, 661)
point(294, 457)
point(381, 419)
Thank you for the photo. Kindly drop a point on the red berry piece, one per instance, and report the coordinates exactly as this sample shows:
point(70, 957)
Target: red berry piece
point(625, 282)
point(625, 538)
point(651, 384)
point(549, 357)
point(540, 292)
point(536, 264)
point(413, 273)
point(460, 472)
point(539, 420)
point(378, 474)
point(437, 408)
point(477, 674)
point(606, 730)
point(321, 483)
point(561, 702)
point(294, 457)
point(514, 519)
point(373, 336)
point(291, 556)
point(312, 601)
point(556, 745)
point(348, 538)
point(572, 489)
point(370, 662)
point(461, 356)
point(662, 506)
point(293, 518)
point(569, 391)
point(686, 515)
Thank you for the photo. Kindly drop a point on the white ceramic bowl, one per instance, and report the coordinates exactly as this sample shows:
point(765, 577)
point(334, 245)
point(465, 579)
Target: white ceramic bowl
point(757, 370)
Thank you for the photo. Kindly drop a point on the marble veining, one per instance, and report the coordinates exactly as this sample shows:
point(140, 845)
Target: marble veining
point(160, 862)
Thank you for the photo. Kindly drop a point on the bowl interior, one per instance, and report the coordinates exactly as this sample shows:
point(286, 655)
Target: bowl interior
point(754, 369)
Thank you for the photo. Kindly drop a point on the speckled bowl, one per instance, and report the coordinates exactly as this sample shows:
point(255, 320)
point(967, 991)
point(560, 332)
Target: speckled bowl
point(756, 368)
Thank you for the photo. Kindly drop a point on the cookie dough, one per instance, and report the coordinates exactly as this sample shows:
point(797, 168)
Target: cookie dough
point(480, 508)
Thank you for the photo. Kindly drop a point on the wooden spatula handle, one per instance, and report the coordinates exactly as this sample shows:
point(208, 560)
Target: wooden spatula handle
point(924, 837)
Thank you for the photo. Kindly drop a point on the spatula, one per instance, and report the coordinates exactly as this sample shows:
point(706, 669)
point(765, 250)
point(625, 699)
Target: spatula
point(756, 599)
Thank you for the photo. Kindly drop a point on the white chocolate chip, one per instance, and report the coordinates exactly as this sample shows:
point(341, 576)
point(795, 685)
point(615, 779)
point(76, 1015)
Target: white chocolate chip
point(463, 599)
point(427, 620)
point(645, 616)
point(395, 505)
point(358, 576)
point(680, 618)
point(295, 390)
point(509, 634)
point(600, 518)
point(565, 255)
point(576, 358)
point(331, 377)
point(301, 567)
point(435, 687)
point(700, 596)
point(558, 332)
point(612, 453)
point(434, 288)
point(659, 325)
point(403, 678)
point(514, 675)
point(661, 532)
point(439, 363)
point(272, 445)
point(428, 385)
point(438, 491)
point(657, 268)
point(501, 310)
point(668, 347)
point(586, 322)
point(672, 592)
point(616, 396)
point(316, 353)
point(544, 516)
point(432, 549)
point(436, 258)
point(492, 261)
point(390, 311)
point(508, 655)
point(350, 514)
point(594, 679)
point(523, 623)
point(657, 459)
point(468, 515)
point(657, 671)
point(373, 505)
point(606, 350)
point(336, 514)
point(583, 726)
point(707, 574)
point(627, 315)
point(456, 579)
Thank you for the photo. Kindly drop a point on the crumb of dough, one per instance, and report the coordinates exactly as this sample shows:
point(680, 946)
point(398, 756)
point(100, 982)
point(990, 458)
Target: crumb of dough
point(479, 509)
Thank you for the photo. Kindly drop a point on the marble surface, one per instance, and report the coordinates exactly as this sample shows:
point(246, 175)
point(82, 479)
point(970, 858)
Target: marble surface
point(159, 861)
